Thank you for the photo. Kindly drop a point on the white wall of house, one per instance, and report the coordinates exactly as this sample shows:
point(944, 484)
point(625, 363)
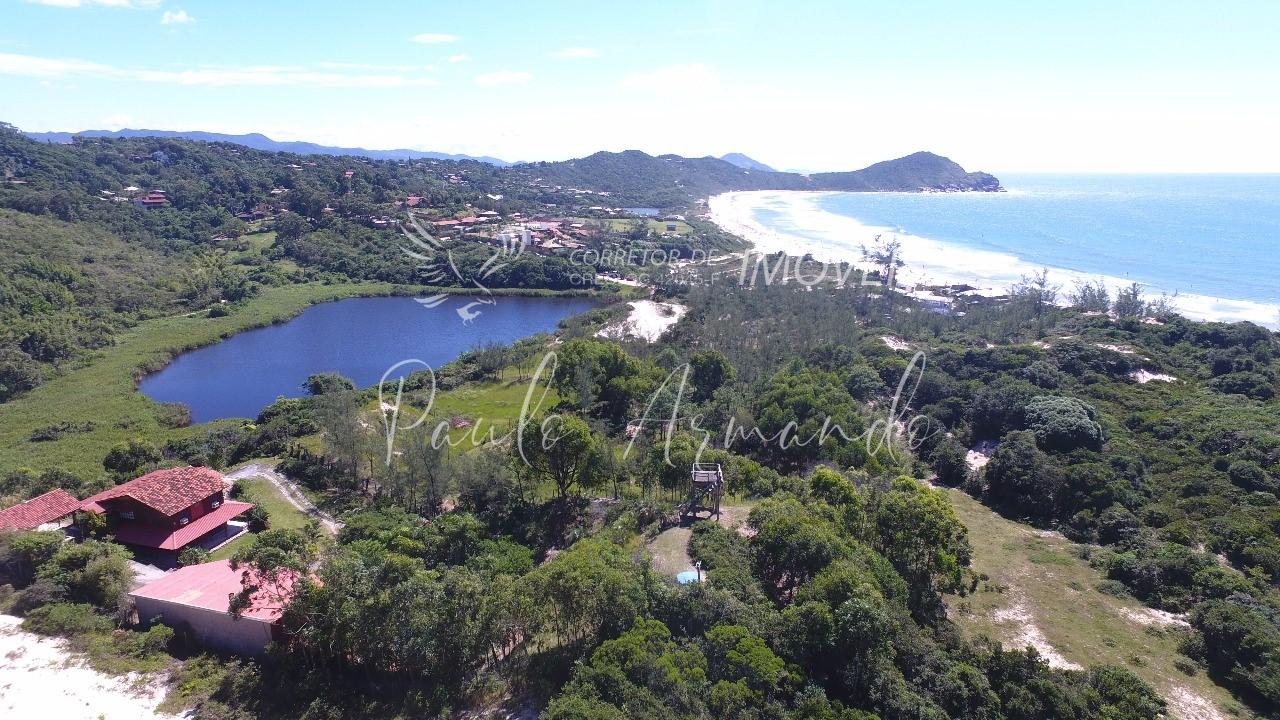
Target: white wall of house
point(245, 635)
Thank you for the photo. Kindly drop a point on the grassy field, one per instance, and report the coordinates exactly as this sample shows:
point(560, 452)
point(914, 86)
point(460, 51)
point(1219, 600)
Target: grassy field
point(657, 226)
point(102, 391)
point(280, 512)
point(1041, 592)
point(492, 407)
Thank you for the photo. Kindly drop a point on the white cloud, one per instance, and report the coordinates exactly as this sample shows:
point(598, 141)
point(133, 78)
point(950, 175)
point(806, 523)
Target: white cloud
point(503, 77)
point(455, 59)
point(672, 78)
point(434, 38)
point(376, 67)
point(179, 17)
point(31, 66)
point(102, 3)
point(575, 53)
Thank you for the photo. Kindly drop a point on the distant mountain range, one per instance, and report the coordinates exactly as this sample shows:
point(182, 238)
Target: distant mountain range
point(258, 141)
point(746, 163)
point(635, 177)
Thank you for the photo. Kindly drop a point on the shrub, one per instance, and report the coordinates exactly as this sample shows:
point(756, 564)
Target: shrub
point(949, 461)
point(258, 519)
point(1020, 476)
point(193, 555)
point(131, 457)
point(66, 619)
point(1063, 424)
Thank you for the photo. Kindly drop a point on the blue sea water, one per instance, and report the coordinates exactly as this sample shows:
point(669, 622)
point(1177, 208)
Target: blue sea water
point(1214, 240)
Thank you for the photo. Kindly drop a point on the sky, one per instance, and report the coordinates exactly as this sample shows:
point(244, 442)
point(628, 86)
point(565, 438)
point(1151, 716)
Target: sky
point(1020, 86)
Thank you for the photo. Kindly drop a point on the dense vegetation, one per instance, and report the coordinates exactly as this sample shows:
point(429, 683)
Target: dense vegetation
point(515, 577)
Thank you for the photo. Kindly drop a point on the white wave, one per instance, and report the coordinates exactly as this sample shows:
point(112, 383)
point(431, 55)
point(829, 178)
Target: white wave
point(804, 227)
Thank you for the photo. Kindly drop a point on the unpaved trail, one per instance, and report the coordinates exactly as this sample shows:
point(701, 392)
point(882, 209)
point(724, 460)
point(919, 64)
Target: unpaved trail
point(289, 491)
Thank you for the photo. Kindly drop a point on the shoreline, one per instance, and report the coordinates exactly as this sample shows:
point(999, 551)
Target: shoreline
point(832, 237)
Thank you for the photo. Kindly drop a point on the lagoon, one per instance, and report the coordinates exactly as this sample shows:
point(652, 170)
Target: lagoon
point(359, 338)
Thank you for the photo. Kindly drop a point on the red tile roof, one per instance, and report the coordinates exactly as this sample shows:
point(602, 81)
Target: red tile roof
point(170, 491)
point(38, 510)
point(170, 539)
point(211, 585)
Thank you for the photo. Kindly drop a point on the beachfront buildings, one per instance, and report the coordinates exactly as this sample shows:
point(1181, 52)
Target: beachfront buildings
point(165, 511)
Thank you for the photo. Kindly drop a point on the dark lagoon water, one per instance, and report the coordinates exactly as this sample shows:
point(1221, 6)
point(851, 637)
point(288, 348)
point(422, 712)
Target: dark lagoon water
point(359, 338)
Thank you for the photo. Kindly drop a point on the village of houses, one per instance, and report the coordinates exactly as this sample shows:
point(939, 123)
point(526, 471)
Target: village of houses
point(544, 232)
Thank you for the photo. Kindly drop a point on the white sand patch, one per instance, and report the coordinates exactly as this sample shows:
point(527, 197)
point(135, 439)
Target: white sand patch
point(1152, 616)
point(1049, 535)
point(1142, 377)
point(1187, 705)
point(976, 460)
point(41, 678)
point(622, 281)
point(1122, 349)
point(1025, 633)
point(895, 343)
point(979, 455)
point(648, 320)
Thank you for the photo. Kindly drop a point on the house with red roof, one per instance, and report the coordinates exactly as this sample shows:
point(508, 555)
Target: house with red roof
point(167, 510)
point(152, 200)
point(198, 598)
point(51, 511)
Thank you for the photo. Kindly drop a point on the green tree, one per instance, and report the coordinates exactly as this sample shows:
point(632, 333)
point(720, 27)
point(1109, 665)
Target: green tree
point(709, 370)
point(928, 545)
point(559, 448)
point(1063, 424)
point(326, 383)
point(132, 457)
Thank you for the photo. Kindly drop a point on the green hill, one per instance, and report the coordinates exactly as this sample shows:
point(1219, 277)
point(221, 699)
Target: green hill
point(915, 172)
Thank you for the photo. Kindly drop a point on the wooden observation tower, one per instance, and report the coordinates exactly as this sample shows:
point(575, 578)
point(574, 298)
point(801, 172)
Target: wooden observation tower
point(705, 490)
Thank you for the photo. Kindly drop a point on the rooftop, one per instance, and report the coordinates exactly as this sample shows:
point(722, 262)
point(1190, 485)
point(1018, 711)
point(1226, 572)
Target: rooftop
point(38, 510)
point(170, 491)
point(211, 585)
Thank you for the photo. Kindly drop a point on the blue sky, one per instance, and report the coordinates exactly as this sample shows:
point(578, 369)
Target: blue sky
point(1000, 86)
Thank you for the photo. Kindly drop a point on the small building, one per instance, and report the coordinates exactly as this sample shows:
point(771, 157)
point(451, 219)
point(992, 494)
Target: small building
point(53, 510)
point(167, 510)
point(152, 200)
point(198, 598)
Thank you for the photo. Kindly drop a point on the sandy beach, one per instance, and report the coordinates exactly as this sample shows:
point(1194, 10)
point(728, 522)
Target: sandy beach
point(804, 227)
point(41, 678)
point(648, 320)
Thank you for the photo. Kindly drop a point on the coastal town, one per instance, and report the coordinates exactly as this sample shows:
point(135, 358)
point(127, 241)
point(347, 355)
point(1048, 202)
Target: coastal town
point(666, 361)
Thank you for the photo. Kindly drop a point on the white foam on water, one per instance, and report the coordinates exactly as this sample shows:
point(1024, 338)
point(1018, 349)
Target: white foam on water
point(806, 228)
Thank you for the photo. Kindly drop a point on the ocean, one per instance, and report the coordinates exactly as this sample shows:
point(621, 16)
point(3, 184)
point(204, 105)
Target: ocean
point(1210, 242)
